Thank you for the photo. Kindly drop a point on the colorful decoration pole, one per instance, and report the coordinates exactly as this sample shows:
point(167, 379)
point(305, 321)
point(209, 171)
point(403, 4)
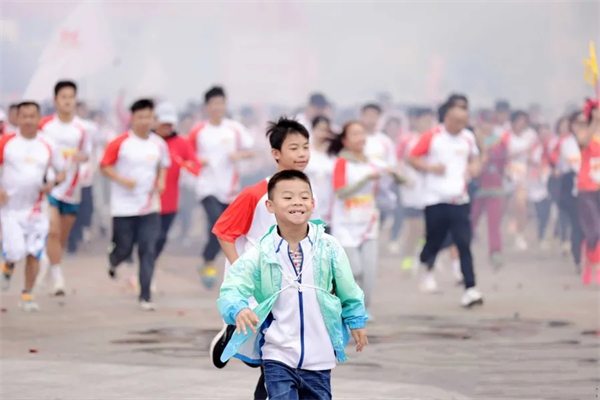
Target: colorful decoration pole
point(591, 70)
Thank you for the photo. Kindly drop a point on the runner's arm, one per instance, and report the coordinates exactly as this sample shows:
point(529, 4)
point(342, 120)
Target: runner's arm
point(235, 222)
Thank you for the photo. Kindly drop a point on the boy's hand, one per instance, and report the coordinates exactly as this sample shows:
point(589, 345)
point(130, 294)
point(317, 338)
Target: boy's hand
point(360, 337)
point(246, 318)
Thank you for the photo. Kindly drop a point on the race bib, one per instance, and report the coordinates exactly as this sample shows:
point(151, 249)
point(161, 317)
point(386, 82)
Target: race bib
point(359, 208)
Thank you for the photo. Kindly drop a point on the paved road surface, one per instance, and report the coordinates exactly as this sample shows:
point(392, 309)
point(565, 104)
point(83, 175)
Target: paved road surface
point(535, 338)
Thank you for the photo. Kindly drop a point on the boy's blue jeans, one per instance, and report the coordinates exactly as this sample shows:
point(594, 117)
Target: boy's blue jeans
point(285, 383)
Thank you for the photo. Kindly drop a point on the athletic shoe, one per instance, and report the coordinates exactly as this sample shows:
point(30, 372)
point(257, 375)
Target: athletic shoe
point(218, 344)
point(147, 305)
point(59, 284)
point(28, 303)
point(407, 263)
point(208, 273)
point(521, 243)
point(394, 247)
point(471, 297)
point(112, 272)
point(587, 276)
point(6, 275)
point(428, 284)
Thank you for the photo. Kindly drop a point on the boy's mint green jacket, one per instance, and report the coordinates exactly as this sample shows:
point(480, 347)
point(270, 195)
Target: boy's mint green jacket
point(258, 273)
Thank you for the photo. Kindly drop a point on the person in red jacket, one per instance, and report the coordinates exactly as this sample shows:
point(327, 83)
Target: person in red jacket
point(182, 156)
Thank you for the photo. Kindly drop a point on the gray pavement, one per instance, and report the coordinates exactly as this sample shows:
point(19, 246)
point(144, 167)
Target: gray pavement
point(535, 338)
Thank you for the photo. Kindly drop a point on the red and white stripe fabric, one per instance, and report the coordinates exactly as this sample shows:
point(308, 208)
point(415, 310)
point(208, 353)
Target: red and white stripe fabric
point(139, 159)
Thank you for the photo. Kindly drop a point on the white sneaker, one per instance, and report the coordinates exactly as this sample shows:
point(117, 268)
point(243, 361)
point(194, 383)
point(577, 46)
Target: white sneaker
point(471, 297)
point(521, 243)
point(394, 247)
point(59, 284)
point(428, 284)
point(29, 304)
point(147, 305)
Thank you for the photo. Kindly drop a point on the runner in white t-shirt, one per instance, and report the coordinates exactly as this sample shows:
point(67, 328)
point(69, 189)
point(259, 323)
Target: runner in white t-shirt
point(25, 158)
point(220, 144)
point(520, 141)
point(412, 191)
point(447, 157)
point(74, 143)
point(136, 163)
point(81, 231)
point(247, 219)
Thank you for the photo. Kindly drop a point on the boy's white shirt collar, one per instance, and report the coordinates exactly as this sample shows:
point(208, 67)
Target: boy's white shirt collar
point(305, 244)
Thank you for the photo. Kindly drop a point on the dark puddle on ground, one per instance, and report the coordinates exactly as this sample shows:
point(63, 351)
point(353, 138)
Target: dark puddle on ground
point(198, 337)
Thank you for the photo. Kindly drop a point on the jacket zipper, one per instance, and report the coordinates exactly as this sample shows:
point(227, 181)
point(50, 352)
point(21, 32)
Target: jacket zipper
point(300, 302)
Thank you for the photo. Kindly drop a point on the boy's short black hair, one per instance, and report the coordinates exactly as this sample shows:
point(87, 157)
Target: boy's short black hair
point(455, 97)
point(27, 104)
point(278, 131)
point(286, 175)
point(64, 84)
point(371, 106)
point(142, 104)
point(502, 105)
point(215, 91)
point(515, 115)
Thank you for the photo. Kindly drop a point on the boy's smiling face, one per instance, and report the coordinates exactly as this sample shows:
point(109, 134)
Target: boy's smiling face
point(292, 202)
point(294, 153)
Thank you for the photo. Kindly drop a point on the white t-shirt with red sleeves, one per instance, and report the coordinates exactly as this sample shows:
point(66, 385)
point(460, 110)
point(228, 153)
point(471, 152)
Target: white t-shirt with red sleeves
point(69, 138)
point(138, 159)
point(567, 154)
point(221, 176)
point(454, 152)
point(380, 146)
point(412, 191)
point(25, 163)
point(246, 220)
point(355, 218)
point(519, 148)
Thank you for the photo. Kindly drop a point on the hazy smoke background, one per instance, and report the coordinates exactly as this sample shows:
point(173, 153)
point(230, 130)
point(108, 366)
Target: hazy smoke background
point(278, 52)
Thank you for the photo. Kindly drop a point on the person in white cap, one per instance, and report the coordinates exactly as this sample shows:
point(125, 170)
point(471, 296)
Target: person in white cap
point(182, 156)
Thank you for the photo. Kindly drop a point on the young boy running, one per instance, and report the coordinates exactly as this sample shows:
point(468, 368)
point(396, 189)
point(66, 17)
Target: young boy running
point(247, 219)
point(307, 296)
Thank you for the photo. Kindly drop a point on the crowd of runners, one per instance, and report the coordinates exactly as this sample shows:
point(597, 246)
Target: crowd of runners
point(322, 185)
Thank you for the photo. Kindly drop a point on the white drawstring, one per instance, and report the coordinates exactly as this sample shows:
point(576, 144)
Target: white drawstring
point(296, 283)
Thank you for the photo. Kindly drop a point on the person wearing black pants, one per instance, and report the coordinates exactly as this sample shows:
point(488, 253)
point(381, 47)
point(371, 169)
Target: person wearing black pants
point(568, 203)
point(213, 208)
point(451, 156)
point(136, 163)
point(144, 231)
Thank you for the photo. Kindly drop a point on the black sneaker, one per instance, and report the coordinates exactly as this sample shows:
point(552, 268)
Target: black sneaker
point(218, 344)
point(112, 272)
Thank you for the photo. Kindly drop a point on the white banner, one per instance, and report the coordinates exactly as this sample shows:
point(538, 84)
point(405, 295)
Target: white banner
point(80, 48)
